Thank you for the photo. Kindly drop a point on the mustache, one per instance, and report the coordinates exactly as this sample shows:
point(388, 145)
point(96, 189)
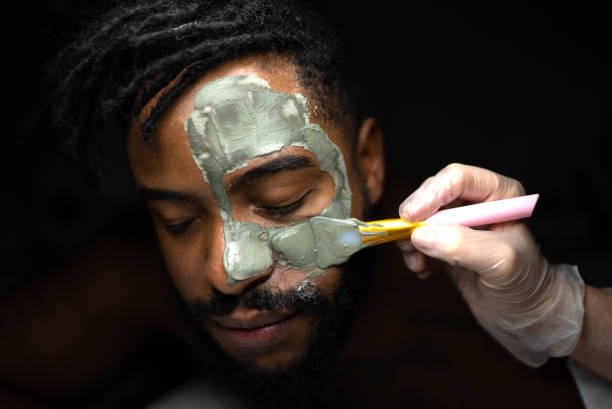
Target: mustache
point(259, 298)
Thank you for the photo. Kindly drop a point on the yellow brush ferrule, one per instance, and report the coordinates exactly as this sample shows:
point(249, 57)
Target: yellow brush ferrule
point(383, 231)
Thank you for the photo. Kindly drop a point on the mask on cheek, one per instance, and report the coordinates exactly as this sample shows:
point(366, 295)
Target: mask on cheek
point(236, 119)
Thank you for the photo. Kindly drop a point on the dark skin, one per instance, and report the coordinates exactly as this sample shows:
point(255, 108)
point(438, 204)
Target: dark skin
point(193, 253)
point(87, 311)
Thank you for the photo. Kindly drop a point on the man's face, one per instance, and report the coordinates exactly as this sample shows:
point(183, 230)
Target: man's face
point(195, 209)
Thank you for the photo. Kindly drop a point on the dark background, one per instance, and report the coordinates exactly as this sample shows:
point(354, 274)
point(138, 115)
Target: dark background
point(522, 89)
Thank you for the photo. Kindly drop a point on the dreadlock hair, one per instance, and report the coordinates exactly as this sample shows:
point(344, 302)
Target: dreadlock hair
point(134, 50)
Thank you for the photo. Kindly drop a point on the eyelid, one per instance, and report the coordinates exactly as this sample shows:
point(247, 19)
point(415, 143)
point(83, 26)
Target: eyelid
point(283, 199)
point(176, 224)
point(181, 227)
point(277, 212)
point(272, 204)
point(175, 220)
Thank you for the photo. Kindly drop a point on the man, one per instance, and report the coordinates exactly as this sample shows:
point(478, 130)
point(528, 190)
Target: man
point(272, 323)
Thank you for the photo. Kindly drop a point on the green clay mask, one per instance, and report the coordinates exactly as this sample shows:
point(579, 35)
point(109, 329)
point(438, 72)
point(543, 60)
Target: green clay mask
point(238, 118)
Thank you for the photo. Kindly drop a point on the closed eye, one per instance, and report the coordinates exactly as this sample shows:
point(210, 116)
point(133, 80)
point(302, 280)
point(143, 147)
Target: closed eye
point(179, 228)
point(278, 212)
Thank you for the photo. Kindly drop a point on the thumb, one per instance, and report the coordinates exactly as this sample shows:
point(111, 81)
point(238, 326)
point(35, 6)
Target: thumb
point(480, 251)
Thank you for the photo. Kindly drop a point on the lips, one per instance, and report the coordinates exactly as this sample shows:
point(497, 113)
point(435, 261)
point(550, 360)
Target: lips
point(251, 319)
point(253, 329)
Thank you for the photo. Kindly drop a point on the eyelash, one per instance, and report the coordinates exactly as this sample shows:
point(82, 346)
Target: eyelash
point(179, 228)
point(279, 212)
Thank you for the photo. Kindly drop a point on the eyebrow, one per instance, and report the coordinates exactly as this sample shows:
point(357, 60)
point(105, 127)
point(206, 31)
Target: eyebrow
point(151, 195)
point(272, 167)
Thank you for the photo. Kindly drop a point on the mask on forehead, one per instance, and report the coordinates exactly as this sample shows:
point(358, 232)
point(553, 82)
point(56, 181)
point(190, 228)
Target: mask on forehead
point(236, 119)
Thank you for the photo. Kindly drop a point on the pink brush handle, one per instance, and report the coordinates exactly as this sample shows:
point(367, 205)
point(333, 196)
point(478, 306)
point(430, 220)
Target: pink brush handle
point(487, 213)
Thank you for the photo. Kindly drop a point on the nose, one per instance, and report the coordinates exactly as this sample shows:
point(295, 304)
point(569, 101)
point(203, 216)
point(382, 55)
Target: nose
point(246, 257)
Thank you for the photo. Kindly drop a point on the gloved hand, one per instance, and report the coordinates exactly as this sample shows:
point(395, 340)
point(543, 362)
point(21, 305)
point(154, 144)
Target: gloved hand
point(533, 308)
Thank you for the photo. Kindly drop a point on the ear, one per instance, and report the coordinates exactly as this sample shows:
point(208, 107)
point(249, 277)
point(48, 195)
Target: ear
point(370, 158)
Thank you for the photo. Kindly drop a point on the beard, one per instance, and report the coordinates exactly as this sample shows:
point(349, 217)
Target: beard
point(298, 384)
point(307, 376)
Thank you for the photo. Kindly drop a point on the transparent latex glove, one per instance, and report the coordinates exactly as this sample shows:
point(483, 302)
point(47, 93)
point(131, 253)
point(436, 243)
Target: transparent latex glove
point(533, 308)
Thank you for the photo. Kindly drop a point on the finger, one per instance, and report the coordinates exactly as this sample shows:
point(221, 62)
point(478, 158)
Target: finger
point(457, 181)
point(424, 275)
point(406, 245)
point(427, 182)
point(415, 262)
point(487, 253)
point(424, 186)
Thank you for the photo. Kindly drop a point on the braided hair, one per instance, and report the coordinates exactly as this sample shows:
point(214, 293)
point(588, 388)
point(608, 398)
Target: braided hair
point(135, 49)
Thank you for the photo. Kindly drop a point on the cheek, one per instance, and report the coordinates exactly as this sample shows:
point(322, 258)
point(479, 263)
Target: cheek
point(187, 260)
point(328, 281)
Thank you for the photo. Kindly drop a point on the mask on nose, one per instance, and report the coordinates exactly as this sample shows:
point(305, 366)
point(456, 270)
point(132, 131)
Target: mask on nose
point(236, 119)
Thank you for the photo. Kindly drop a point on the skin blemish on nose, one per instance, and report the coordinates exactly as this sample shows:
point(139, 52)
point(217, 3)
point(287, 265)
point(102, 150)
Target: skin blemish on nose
point(236, 119)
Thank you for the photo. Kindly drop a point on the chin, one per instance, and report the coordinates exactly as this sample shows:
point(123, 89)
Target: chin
point(292, 362)
point(276, 364)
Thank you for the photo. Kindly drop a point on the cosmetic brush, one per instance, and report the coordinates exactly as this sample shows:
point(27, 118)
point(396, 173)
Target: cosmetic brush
point(497, 211)
point(337, 239)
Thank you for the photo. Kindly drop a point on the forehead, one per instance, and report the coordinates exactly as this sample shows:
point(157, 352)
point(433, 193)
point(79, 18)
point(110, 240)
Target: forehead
point(169, 155)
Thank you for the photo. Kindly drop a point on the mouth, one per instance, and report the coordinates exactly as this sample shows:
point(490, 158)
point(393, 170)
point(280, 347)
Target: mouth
point(253, 329)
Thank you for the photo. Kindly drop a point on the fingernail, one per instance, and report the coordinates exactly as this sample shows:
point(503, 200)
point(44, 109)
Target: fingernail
point(408, 260)
point(408, 206)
